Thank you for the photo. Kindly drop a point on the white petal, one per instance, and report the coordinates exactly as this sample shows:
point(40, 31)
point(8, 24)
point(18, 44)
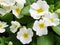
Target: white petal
point(14, 29)
point(34, 6)
point(25, 41)
point(42, 32)
point(35, 25)
point(34, 14)
point(43, 4)
point(30, 32)
point(2, 30)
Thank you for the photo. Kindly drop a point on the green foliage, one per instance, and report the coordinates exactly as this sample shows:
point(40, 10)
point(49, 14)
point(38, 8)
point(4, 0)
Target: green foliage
point(51, 9)
point(46, 40)
point(25, 10)
point(57, 29)
point(7, 17)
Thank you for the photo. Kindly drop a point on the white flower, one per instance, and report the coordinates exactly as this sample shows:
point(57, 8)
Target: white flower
point(52, 19)
point(25, 35)
point(16, 11)
point(2, 26)
point(14, 27)
point(21, 2)
point(38, 9)
point(4, 10)
point(7, 3)
point(40, 27)
point(17, 8)
point(6, 6)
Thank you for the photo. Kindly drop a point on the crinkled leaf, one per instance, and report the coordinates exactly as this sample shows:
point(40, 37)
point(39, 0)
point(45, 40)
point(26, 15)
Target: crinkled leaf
point(12, 37)
point(51, 9)
point(46, 40)
point(56, 29)
point(25, 10)
point(50, 2)
point(57, 5)
point(7, 17)
point(26, 20)
point(30, 25)
point(2, 41)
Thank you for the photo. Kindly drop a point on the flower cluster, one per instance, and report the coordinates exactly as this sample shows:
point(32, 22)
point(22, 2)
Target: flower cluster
point(38, 10)
point(14, 5)
point(44, 18)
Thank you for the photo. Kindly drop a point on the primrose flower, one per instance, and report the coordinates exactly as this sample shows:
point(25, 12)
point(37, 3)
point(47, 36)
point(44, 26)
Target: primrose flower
point(40, 27)
point(7, 3)
point(14, 27)
point(16, 11)
point(38, 9)
point(25, 35)
point(17, 8)
point(6, 6)
point(2, 26)
point(5, 10)
point(21, 2)
point(52, 19)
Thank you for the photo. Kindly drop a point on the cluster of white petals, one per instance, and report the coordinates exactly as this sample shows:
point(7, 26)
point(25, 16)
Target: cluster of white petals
point(12, 5)
point(40, 11)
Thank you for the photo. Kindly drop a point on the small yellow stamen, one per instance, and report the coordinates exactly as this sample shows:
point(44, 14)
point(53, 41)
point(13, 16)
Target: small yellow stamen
point(0, 25)
point(39, 10)
point(51, 19)
point(16, 27)
point(41, 25)
point(25, 35)
point(18, 10)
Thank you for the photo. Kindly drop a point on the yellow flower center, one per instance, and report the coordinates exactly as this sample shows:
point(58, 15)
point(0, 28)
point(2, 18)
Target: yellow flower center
point(51, 19)
point(16, 27)
point(25, 35)
point(0, 25)
point(39, 10)
point(18, 10)
point(41, 25)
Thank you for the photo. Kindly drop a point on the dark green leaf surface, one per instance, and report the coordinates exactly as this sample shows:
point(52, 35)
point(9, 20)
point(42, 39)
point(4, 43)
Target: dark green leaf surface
point(57, 29)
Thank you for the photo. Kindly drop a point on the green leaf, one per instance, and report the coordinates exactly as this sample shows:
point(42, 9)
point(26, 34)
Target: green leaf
point(56, 29)
point(56, 1)
point(51, 9)
point(26, 20)
point(57, 5)
point(57, 40)
point(29, 2)
point(46, 40)
point(7, 17)
point(30, 25)
point(32, 1)
point(25, 10)
point(2, 41)
point(50, 2)
point(33, 42)
point(12, 37)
